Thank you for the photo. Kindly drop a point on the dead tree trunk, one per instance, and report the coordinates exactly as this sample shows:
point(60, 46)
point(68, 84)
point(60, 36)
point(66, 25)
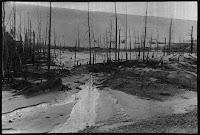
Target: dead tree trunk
point(75, 54)
point(93, 59)
point(33, 60)
point(170, 34)
point(149, 48)
point(191, 35)
point(116, 34)
point(119, 45)
point(89, 34)
point(135, 47)
point(126, 36)
point(164, 48)
point(46, 37)
point(60, 53)
point(49, 47)
point(30, 39)
point(3, 40)
point(138, 47)
point(130, 42)
point(54, 39)
point(78, 46)
point(110, 43)
point(14, 36)
point(145, 29)
point(106, 45)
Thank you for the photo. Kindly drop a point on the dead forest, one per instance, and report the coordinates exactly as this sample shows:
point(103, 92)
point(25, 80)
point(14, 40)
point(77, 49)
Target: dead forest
point(24, 57)
point(138, 81)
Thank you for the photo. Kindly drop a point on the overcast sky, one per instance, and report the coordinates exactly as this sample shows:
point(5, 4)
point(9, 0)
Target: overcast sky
point(179, 10)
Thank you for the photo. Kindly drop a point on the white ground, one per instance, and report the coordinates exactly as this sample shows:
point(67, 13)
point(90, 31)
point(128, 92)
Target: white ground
point(60, 112)
point(89, 107)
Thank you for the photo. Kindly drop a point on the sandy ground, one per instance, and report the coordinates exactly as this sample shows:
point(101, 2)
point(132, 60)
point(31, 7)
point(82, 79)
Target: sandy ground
point(106, 108)
point(133, 100)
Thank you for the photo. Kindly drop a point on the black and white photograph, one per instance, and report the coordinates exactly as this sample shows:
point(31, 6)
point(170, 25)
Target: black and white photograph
point(99, 67)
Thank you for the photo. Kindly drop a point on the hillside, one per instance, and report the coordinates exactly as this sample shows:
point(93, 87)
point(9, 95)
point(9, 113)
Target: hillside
point(67, 22)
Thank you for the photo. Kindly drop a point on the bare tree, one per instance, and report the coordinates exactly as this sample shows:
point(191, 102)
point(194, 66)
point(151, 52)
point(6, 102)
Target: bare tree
point(78, 39)
point(110, 56)
point(30, 41)
point(135, 47)
point(157, 43)
point(75, 54)
point(93, 60)
point(49, 47)
point(170, 34)
point(46, 36)
point(3, 39)
point(145, 29)
point(115, 34)
point(14, 36)
point(89, 33)
point(39, 30)
point(33, 58)
point(149, 47)
point(164, 48)
point(119, 45)
point(64, 43)
point(107, 44)
point(54, 39)
point(191, 35)
point(138, 46)
point(126, 36)
point(130, 42)
point(104, 45)
point(60, 52)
